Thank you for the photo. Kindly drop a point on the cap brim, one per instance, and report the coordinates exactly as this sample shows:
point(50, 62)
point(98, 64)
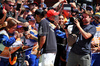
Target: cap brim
point(96, 16)
point(89, 8)
point(19, 26)
point(31, 20)
point(57, 13)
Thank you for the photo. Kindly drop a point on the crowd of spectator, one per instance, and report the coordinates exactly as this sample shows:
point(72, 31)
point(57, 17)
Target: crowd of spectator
point(33, 34)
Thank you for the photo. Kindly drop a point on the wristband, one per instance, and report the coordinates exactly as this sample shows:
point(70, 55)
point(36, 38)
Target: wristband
point(26, 34)
point(39, 49)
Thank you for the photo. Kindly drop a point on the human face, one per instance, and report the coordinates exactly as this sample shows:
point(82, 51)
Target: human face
point(31, 6)
point(37, 18)
point(61, 19)
point(20, 30)
point(86, 19)
point(12, 29)
point(9, 6)
point(42, 1)
point(53, 18)
point(32, 23)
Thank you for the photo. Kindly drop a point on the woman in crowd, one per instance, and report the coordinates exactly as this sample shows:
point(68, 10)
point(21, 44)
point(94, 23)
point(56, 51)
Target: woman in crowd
point(6, 40)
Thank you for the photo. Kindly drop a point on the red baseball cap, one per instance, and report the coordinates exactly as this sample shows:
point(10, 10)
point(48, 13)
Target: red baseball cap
point(52, 13)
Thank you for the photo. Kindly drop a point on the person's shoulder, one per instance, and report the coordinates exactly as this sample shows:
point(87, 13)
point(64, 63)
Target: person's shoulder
point(92, 25)
point(44, 21)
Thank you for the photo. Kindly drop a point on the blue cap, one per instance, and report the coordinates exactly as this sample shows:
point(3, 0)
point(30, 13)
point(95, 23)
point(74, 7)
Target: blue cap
point(89, 6)
point(30, 18)
point(43, 4)
point(19, 26)
point(26, 6)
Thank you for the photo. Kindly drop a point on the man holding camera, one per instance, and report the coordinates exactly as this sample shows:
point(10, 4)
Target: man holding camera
point(80, 51)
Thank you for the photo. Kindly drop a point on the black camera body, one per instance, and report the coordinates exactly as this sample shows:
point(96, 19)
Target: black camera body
point(78, 17)
point(72, 19)
point(1, 11)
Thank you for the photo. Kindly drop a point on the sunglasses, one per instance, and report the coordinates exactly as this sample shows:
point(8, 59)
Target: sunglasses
point(27, 11)
point(88, 9)
point(10, 5)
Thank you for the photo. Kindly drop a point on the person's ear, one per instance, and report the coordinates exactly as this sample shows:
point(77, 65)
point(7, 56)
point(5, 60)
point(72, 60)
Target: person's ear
point(99, 20)
point(36, 16)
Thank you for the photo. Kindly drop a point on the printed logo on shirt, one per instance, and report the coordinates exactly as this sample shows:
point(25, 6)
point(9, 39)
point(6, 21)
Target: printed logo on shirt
point(41, 31)
point(52, 27)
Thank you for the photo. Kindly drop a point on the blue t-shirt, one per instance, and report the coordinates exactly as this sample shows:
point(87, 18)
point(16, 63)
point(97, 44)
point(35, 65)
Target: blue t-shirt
point(82, 45)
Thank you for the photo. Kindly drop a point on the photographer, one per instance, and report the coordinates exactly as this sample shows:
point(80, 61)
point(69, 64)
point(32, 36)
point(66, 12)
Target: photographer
point(80, 51)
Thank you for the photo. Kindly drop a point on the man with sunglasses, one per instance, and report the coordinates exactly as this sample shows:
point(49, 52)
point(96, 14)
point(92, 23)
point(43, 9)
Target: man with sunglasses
point(96, 19)
point(9, 5)
point(89, 8)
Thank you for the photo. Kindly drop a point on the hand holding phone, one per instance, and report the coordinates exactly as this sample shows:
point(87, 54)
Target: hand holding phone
point(18, 6)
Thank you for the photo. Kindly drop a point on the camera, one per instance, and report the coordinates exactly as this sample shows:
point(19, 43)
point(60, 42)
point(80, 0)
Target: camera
point(67, 7)
point(1, 11)
point(72, 19)
point(31, 1)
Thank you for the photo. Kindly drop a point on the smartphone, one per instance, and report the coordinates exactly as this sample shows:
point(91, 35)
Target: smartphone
point(71, 0)
point(18, 6)
point(67, 7)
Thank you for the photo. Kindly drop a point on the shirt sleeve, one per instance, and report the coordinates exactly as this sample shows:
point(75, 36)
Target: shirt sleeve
point(43, 29)
point(6, 41)
point(92, 30)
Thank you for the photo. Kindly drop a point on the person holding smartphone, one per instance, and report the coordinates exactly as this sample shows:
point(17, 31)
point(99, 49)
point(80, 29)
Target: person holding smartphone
point(9, 5)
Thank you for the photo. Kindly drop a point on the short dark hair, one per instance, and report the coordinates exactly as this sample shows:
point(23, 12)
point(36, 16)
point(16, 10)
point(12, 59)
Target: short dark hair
point(39, 12)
